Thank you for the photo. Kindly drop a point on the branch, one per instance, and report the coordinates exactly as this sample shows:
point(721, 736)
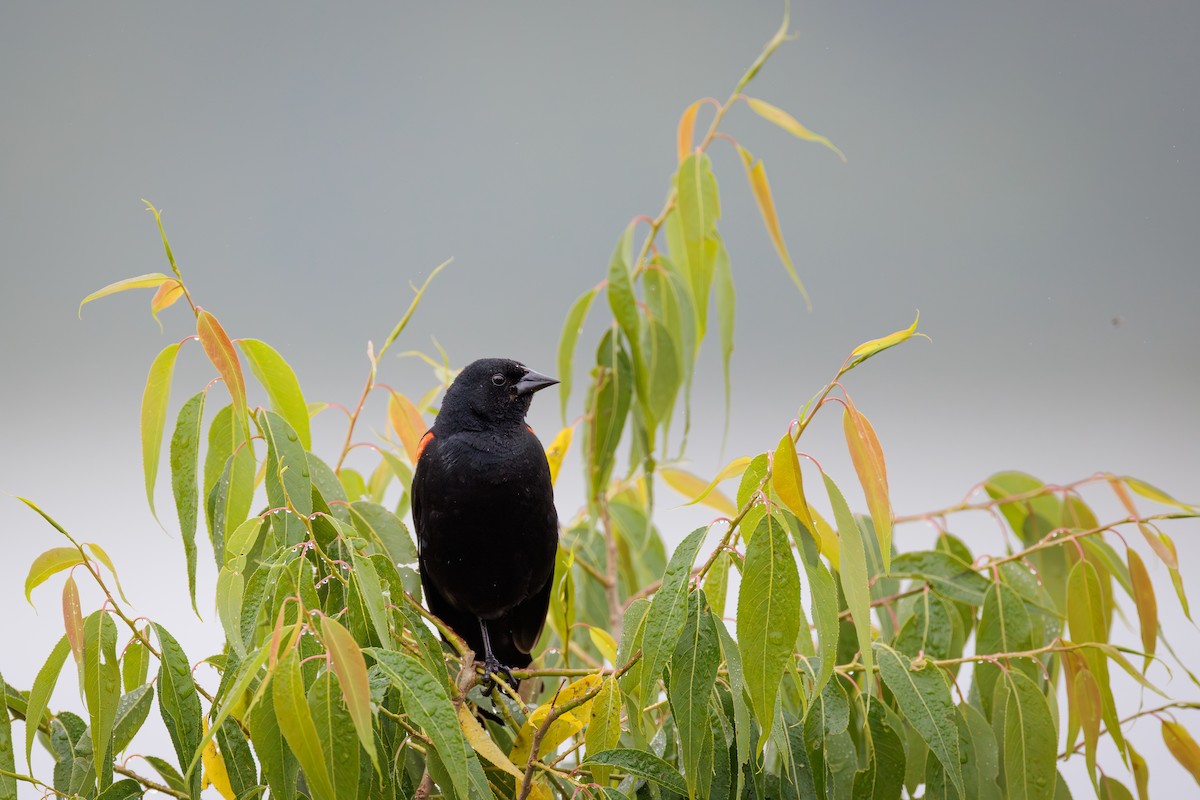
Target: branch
point(149, 784)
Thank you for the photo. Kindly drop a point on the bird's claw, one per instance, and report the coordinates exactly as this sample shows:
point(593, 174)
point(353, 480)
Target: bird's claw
point(492, 667)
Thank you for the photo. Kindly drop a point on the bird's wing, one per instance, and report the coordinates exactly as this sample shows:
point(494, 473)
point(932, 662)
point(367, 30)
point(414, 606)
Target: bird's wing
point(528, 617)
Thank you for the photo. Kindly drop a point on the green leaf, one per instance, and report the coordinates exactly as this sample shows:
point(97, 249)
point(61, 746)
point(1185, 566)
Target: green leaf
point(239, 761)
point(668, 612)
point(351, 671)
point(1030, 741)
point(51, 562)
point(126, 789)
point(641, 764)
point(185, 458)
point(179, 703)
point(608, 407)
point(101, 684)
point(924, 699)
point(621, 297)
point(789, 123)
point(132, 711)
point(854, 576)
point(883, 777)
point(283, 390)
point(726, 296)
point(296, 723)
point(693, 673)
point(699, 208)
point(768, 618)
point(876, 346)
point(1109, 788)
point(566, 345)
point(374, 521)
point(154, 415)
point(604, 730)
point(429, 708)
point(948, 575)
point(147, 281)
point(335, 729)
point(663, 373)
point(279, 765)
point(39, 693)
point(367, 579)
point(8, 765)
point(1004, 627)
point(741, 709)
point(288, 483)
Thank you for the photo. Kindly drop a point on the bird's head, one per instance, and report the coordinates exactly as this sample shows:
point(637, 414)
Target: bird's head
point(492, 391)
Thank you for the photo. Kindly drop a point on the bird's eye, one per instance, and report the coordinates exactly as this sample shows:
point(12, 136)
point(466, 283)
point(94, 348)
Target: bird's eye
point(498, 379)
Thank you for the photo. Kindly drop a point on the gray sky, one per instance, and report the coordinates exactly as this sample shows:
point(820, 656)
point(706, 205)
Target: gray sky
point(1023, 173)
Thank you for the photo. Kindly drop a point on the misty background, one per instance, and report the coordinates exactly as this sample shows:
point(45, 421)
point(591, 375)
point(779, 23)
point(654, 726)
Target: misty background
point(1024, 173)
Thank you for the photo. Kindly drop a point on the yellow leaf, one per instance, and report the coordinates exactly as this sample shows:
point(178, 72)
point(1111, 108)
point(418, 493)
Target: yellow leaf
point(1155, 494)
point(408, 423)
point(697, 491)
point(789, 123)
point(484, 746)
point(351, 671)
point(868, 349)
point(604, 642)
point(827, 541)
point(788, 482)
point(756, 173)
point(867, 456)
point(685, 136)
point(1160, 549)
point(557, 450)
point(1147, 604)
point(562, 728)
point(1182, 746)
point(215, 773)
point(147, 281)
point(224, 357)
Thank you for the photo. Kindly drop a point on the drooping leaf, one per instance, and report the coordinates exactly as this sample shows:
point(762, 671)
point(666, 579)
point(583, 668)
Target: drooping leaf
point(726, 295)
point(8, 766)
point(168, 293)
point(1155, 494)
point(179, 703)
point(924, 698)
point(854, 576)
point(335, 730)
point(147, 281)
point(867, 456)
point(699, 208)
point(374, 521)
point(1030, 741)
point(132, 710)
point(73, 618)
point(566, 345)
point(297, 725)
point(51, 562)
point(283, 389)
point(668, 612)
point(604, 730)
point(567, 724)
point(351, 671)
point(621, 297)
point(224, 358)
point(789, 123)
point(608, 408)
point(154, 415)
point(1182, 746)
point(697, 491)
point(641, 764)
point(756, 174)
point(1004, 627)
point(557, 450)
point(945, 573)
point(685, 131)
point(693, 671)
point(408, 423)
point(287, 478)
point(788, 481)
point(1147, 604)
point(185, 459)
point(768, 618)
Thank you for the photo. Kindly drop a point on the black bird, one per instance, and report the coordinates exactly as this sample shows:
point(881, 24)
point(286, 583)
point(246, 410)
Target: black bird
point(483, 508)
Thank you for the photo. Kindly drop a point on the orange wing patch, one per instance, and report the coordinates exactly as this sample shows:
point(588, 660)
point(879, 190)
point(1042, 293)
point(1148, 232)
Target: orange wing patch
point(425, 440)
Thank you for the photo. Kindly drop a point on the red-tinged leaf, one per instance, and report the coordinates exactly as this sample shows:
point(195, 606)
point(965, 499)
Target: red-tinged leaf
point(1176, 578)
point(351, 671)
point(1147, 604)
point(147, 281)
point(168, 292)
point(789, 123)
point(685, 134)
point(53, 561)
point(73, 618)
point(756, 174)
point(868, 349)
point(788, 481)
point(1160, 549)
point(408, 423)
point(697, 491)
point(1182, 746)
point(154, 415)
point(220, 352)
point(867, 456)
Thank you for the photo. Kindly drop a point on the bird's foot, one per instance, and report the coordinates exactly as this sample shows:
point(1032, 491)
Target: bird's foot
point(491, 668)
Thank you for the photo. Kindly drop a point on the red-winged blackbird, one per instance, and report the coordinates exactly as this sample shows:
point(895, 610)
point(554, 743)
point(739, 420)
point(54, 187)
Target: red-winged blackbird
point(483, 508)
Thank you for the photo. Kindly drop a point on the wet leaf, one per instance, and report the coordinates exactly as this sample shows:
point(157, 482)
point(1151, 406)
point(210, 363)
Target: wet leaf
point(641, 764)
point(604, 730)
point(297, 725)
point(1030, 743)
point(179, 704)
point(693, 672)
point(39, 693)
point(185, 460)
point(566, 725)
point(668, 612)
point(351, 671)
point(768, 617)
point(788, 481)
point(132, 711)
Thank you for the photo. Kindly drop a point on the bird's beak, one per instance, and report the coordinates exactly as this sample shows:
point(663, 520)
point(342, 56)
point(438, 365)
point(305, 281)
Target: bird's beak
point(534, 381)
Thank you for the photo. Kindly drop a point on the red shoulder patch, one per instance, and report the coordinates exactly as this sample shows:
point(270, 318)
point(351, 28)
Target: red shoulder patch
point(530, 429)
point(425, 440)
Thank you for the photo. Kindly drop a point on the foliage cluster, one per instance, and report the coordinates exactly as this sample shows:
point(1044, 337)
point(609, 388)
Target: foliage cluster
point(853, 670)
